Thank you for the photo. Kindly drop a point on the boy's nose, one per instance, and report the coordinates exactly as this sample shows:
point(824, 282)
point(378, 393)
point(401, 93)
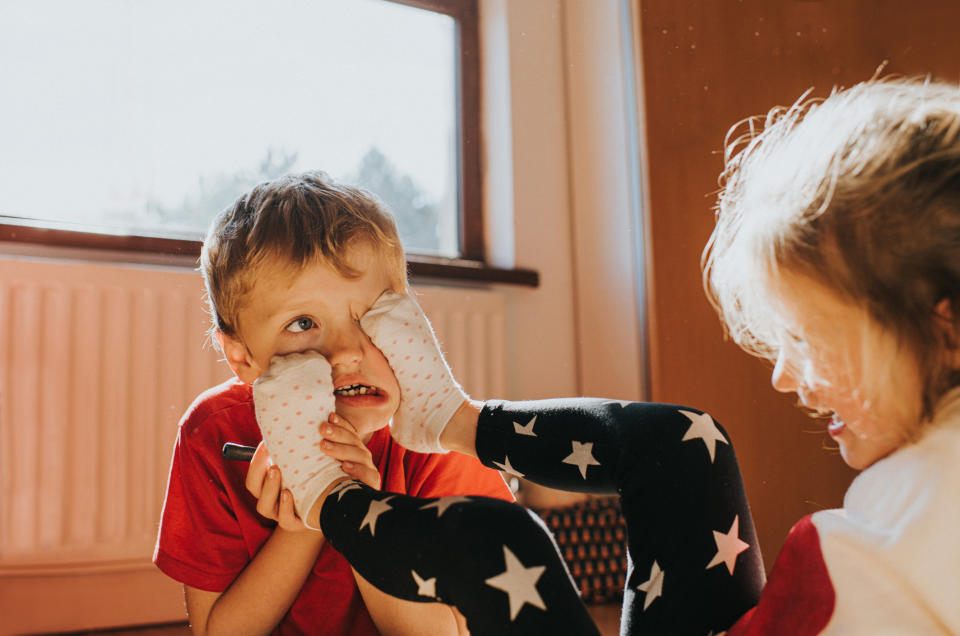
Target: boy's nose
point(345, 347)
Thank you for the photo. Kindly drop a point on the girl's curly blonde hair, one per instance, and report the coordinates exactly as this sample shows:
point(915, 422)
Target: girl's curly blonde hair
point(860, 192)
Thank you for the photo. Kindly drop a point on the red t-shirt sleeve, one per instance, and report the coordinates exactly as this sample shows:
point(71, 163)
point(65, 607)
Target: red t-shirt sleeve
point(436, 475)
point(200, 542)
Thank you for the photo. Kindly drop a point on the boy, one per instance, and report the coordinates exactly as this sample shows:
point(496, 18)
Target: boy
point(291, 267)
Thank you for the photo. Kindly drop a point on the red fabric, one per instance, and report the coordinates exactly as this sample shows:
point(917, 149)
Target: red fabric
point(799, 597)
point(210, 528)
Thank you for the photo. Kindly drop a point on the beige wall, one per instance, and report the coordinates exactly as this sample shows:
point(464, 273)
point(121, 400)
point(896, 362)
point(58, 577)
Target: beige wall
point(706, 66)
point(560, 194)
point(560, 197)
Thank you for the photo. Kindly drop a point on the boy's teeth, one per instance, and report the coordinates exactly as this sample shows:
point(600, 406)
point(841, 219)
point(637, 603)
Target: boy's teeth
point(354, 389)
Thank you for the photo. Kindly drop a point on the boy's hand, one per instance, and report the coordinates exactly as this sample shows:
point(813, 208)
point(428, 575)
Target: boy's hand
point(340, 441)
point(264, 482)
point(429, 396)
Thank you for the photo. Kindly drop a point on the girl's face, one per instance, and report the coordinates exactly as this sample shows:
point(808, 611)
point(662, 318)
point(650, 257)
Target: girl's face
point(840, 362)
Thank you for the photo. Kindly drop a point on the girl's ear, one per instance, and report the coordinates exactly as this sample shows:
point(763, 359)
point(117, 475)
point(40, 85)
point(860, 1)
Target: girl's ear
point(946, 320)
point(238, 357)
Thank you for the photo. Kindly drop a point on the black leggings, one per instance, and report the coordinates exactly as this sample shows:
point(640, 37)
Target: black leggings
point(694, 565)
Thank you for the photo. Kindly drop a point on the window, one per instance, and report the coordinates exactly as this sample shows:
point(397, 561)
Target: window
point(146, 118)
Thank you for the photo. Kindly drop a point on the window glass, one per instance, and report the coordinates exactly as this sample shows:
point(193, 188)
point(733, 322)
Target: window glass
point(149, 116)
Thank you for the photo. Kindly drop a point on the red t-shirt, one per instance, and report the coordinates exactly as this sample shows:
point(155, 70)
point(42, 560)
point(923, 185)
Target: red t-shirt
point(210, 527)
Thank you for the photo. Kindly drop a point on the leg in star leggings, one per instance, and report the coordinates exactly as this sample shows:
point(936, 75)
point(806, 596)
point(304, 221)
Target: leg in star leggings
point(694, 565)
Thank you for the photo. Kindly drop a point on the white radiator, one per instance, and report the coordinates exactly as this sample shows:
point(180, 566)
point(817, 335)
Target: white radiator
point(97, 364)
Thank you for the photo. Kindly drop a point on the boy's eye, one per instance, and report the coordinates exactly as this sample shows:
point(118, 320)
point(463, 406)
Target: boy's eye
point(301, 324)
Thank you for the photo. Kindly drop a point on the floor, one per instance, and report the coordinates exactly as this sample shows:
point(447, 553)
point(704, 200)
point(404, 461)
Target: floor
point(607, 618)
point(179, 629)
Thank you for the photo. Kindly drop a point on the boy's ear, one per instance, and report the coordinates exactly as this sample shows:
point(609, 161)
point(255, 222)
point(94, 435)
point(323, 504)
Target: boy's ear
point(237, 356)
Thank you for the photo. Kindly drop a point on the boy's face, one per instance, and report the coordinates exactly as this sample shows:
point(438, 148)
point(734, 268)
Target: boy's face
point(315, 308)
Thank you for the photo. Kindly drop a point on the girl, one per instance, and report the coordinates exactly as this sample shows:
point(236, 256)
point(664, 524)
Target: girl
point(836, 255)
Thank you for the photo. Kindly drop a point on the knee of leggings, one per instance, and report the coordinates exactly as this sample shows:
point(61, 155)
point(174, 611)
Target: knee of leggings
point(494, 523)
point(654, 422)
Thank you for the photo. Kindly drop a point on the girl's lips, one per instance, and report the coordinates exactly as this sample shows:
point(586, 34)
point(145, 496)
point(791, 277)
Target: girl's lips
point(836, 426)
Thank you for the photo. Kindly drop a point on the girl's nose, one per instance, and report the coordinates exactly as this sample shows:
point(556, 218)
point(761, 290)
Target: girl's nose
point(783, 379)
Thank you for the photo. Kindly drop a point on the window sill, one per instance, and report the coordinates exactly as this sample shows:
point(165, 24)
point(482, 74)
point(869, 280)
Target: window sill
point(146, 249)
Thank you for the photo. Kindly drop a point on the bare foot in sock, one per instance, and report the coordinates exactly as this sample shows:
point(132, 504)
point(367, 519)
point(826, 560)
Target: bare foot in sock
point(429, 395)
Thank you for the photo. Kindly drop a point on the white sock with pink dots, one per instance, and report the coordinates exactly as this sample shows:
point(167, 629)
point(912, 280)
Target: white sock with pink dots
point(429, 396)
point(292, 399)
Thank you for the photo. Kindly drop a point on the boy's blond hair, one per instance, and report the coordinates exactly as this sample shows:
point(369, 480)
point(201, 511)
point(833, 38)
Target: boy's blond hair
point(859, 192)
point(296, 219)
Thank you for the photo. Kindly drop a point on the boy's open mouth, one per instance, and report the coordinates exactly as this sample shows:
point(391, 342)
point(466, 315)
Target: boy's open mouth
point(356, 389)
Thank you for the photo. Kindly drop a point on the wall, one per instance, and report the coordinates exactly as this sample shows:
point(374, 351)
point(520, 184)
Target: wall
point(707, 65)
point(560, 192)
point(561, 196)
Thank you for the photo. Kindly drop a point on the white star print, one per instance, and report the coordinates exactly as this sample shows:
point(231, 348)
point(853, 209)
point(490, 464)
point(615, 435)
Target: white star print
point(426, 587)
point(703, 428)
point(582, 456)
point(729, 546)
point(507, 467)
point(376, 509)
point(652, 586)
point(345, 487)
point(520, 429)
point(442, 504)
point(519, 582)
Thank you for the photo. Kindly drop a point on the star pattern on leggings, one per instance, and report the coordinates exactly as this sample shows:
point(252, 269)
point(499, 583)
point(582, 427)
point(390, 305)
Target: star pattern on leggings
point(377, 508)
point(519, 582)
point(582, 457)
point(443, 503)
point(703, 428)
point(425, 587)
point(729, 545)
point(344, 487)
point(525, 429)
point(653, 586)
point(507, 467)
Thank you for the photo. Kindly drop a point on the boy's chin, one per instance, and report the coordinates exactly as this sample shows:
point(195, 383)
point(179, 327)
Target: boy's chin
point(366, 423)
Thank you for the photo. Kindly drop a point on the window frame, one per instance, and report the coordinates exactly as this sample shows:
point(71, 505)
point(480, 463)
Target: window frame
point(470, 266)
